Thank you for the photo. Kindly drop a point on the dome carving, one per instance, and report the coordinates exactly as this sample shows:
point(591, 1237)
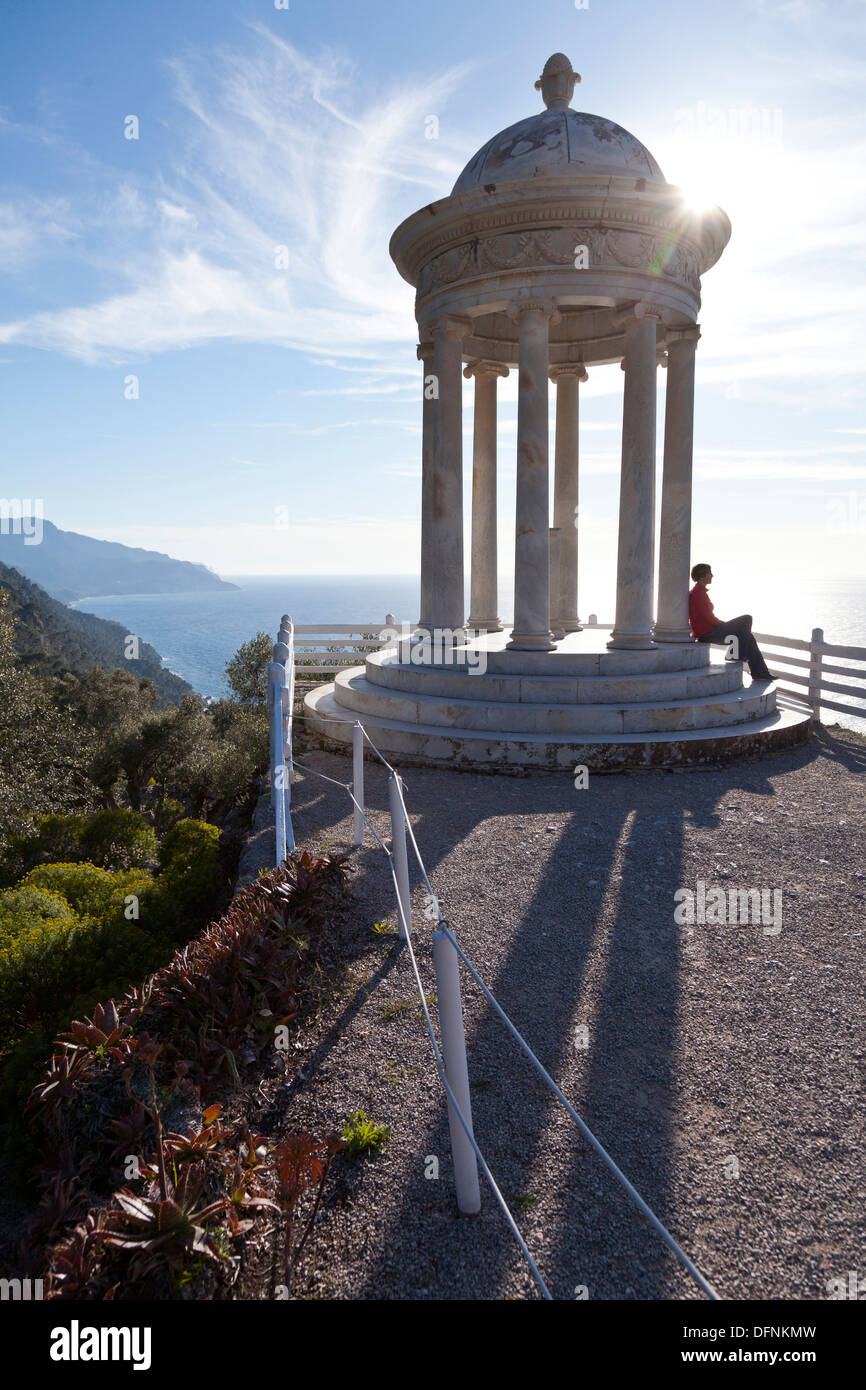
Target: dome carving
point(558, 141)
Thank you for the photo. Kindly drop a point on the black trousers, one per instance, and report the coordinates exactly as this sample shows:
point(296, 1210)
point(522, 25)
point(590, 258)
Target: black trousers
point(746, 648)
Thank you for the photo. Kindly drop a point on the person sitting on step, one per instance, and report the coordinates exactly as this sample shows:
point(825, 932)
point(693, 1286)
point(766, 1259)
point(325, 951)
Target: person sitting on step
point(707, 628)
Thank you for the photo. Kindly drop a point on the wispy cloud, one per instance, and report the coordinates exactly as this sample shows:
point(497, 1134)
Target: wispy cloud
point(271, 226)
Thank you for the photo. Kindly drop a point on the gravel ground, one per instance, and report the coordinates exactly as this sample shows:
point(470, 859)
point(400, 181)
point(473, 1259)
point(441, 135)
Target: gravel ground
point(723, 1062)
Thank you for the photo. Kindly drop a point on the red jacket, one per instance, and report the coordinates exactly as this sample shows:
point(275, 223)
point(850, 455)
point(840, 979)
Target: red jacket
point(701, 611)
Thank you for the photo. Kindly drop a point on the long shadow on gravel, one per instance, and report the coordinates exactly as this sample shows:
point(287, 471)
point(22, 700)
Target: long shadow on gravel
point(537, 985)
point(598, 931)
point(603, 1242)
point(850, 755)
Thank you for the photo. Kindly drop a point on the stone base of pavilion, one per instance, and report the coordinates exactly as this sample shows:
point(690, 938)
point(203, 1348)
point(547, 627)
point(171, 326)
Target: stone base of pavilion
point(489, 708)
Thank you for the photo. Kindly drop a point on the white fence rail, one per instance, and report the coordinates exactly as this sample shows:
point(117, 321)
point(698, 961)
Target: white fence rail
point(811, 675)
point(346, 643)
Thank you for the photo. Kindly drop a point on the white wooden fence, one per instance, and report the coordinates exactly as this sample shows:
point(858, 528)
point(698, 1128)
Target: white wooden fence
point(811, 676)
point(346, 643)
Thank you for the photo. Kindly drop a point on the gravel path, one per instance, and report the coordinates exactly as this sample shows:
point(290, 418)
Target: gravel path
point(722, 1066)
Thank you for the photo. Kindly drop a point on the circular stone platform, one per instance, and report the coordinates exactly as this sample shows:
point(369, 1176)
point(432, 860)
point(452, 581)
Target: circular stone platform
point(488, 707)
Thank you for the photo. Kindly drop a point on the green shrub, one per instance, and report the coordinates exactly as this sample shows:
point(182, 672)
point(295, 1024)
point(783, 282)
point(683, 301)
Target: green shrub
point(54, 839)
point(185, 845)
point(67, 943)
point(191, 874)
point(47, 965)
point(30, 906)
point(110, 839)
point(118, 840)
point(91, 891)
point(77, 928)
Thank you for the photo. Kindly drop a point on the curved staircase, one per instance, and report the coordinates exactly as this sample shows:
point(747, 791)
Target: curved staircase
point(580, 704)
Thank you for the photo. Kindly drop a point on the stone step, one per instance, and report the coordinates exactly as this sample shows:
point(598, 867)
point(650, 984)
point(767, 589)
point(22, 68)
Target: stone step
point(429, 744)
point(469, 684)
point(355, 693)
point(580, 654)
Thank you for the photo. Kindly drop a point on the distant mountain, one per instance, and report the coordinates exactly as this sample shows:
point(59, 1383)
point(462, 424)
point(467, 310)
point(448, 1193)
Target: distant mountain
point(52, 639)
point(71, 566)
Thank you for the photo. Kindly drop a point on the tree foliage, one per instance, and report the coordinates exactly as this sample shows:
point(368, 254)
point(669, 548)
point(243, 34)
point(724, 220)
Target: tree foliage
point(247, 672)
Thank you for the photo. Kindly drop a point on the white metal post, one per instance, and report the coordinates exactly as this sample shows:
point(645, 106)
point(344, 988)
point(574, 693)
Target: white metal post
point(358, 781)
point(398, 850)
point(815, 657)
point(456, 1070)
point(287, 644)
point(275, 694)
point(276, 681)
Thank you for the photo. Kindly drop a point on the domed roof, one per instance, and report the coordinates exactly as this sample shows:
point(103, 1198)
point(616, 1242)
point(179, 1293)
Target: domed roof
point(558, 141)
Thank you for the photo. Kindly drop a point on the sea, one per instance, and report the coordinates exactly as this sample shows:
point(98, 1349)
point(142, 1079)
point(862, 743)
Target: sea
point(197, 633)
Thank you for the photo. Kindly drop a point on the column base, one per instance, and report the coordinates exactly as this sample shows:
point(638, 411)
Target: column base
point(566, 625)
point(631, 642)
point(530, 642)
point(483, 625)
point(673, 634)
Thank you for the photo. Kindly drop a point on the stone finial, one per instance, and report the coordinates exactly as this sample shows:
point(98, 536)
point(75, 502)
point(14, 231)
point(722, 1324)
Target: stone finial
point(556, 82)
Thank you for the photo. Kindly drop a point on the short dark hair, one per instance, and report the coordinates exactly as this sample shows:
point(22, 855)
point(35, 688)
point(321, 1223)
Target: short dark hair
point(699, 571)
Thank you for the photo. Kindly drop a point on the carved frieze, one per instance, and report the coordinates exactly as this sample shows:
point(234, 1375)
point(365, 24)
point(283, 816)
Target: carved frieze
point(581, 247)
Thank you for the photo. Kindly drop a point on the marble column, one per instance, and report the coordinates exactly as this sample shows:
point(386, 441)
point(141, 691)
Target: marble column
point(425, 356)
point(446, 492)
point(531, 631)
point(568, 377)
point(634, 567)
point(483, 583)
point(672, 620)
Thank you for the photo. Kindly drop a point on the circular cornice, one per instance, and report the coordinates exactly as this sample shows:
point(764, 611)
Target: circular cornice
point(466, 235)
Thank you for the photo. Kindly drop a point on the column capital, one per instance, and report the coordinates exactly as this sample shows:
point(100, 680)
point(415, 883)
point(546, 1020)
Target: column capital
point(648, 309)
point(636, 313)
point(424, 349)
point(548, 307)
point(687, 333)
point(451, 325)
point(484, 366)
point(569, 369)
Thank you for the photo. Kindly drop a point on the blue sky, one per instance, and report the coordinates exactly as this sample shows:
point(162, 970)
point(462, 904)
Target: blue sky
point(277, 427)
